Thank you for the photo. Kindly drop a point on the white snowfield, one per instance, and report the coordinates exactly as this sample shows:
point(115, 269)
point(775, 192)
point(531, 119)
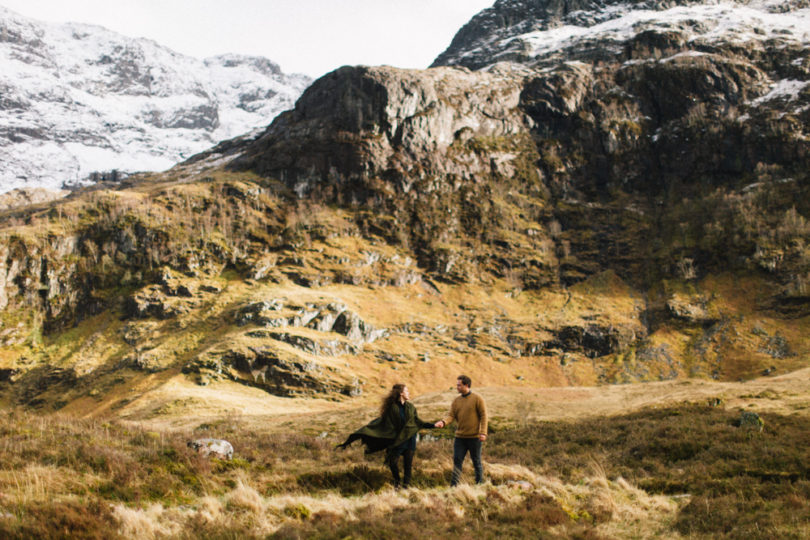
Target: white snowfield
point(76, 99)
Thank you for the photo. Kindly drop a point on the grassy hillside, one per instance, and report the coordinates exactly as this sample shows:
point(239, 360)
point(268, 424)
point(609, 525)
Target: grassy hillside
point(615, 249)
point(146, 300)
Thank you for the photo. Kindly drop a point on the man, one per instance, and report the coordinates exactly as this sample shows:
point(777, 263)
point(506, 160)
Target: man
point(470, 413)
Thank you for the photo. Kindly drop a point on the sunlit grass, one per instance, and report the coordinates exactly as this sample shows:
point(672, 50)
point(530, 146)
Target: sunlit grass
point(682, 471)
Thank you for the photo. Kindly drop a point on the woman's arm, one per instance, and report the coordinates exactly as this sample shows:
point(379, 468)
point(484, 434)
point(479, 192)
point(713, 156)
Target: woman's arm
point(422, 424)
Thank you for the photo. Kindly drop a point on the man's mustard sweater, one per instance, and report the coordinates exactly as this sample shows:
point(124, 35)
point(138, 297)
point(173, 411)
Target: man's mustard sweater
point(470, 412)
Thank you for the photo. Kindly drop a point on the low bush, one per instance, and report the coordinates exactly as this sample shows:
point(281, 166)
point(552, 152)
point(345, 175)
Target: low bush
point(91, 520)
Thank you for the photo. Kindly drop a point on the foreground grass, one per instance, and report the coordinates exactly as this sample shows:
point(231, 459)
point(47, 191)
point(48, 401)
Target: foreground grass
point(682, 471)
point(741, 483)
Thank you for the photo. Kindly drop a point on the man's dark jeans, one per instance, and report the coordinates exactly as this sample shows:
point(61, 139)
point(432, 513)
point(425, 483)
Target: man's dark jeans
point(460, 449)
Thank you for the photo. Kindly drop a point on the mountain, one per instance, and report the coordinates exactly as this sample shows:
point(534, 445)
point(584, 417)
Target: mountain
point(653, 151)
point(77, 99)
point(636, 210)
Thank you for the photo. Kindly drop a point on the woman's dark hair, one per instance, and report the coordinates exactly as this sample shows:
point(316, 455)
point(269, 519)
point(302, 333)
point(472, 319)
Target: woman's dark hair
point(392, 397)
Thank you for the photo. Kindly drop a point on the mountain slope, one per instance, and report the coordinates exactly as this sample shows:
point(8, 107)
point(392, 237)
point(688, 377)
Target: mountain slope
point(78, 99)
point(639, 217)
point(635, 210)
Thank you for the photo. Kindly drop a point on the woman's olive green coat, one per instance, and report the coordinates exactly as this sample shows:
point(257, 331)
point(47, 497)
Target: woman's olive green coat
point(388, 431)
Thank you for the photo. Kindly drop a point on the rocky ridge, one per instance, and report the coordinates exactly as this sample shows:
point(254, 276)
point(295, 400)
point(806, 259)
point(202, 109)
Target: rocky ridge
point(545, 32)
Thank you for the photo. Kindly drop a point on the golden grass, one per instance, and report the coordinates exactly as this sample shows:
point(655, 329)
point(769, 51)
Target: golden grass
point(623, 508)
point(286, 480)
point(151, 522)
point(36, 483)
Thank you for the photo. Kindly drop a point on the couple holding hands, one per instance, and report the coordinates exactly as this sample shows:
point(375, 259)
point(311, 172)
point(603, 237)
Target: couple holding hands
point(395, 431)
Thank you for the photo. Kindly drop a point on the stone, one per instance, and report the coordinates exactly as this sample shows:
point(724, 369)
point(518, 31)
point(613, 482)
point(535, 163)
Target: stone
point(353, 389)
point(776, 347)
point(716, 402)
point(210, 288)
point(593, 340)
point(218, 448)
point(691, 310)
point(356, 330)
point(256, 313)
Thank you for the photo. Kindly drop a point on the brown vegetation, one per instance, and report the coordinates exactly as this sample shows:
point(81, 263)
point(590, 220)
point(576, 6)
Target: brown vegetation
point(684, 469)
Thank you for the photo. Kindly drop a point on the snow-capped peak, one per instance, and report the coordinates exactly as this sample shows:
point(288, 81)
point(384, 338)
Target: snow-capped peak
point(532, 31)
point(78, 98)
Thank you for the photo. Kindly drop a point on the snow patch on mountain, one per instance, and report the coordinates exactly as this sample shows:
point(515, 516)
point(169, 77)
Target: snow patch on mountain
point(546, 33)
point(785, 89)
point(78, 98)
point(727, 21)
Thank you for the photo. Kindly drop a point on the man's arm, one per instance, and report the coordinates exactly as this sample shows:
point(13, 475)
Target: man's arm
point(449, 418)
point(482, 419)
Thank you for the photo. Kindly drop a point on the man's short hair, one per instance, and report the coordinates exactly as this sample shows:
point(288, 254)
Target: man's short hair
point(466, 381)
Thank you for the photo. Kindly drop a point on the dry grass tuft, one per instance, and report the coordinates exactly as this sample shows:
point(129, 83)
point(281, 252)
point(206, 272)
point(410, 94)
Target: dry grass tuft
point(146, 523)
point(244, 497)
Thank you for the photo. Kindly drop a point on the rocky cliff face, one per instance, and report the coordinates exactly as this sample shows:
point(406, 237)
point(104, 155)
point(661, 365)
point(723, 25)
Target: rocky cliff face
point(77, 99)
point(618, 100)
point(425, 149)
point(358, 123)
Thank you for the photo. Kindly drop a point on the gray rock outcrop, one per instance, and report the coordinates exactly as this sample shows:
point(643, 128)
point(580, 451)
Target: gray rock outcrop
point(403, 125)
point(332, 317)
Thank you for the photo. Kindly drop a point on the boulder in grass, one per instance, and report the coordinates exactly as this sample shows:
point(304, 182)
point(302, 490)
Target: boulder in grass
point(218, 448)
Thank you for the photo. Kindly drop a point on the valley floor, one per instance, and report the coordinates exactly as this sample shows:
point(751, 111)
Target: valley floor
point(785, 394)
point(654, 460)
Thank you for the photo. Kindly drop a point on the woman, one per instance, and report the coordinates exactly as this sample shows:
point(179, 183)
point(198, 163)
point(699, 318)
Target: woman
point(394, 431)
